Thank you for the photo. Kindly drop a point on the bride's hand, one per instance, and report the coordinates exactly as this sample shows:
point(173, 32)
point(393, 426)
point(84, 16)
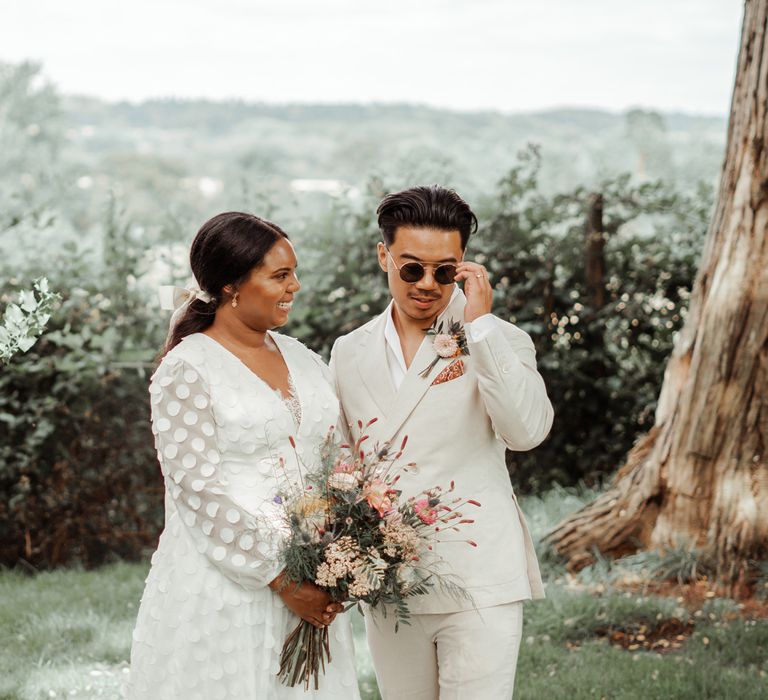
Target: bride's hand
point(307, 601)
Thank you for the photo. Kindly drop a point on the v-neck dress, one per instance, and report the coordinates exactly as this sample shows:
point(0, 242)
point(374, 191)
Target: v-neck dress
point(208, 626)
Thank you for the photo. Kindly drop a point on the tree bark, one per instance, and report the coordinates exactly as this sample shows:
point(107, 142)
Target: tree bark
point(595, 253)
point(699, 478)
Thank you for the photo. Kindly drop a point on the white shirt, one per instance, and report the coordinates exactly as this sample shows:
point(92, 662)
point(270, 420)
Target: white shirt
point(476, 331)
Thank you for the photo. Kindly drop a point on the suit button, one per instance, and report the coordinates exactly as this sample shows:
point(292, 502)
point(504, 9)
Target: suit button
point(505, 369)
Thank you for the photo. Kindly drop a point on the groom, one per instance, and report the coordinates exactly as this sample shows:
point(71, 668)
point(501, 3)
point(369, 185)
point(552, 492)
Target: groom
point(458, 418)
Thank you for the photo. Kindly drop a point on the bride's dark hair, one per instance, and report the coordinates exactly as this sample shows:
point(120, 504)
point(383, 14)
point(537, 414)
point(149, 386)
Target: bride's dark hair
point(225, 250)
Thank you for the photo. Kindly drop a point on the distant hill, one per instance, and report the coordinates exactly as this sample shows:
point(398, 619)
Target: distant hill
point(235, 153)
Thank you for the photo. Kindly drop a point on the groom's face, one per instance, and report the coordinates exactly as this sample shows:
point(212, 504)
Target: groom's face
point(424, 299)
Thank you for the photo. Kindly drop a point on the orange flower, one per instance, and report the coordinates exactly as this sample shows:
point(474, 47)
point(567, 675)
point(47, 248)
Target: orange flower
point(377, 494)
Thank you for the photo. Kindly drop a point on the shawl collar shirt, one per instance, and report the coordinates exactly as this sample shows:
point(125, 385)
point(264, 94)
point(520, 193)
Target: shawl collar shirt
point(476, 331)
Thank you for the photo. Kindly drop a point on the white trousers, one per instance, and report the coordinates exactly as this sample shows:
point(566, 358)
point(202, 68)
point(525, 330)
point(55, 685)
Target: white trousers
point(468, 655)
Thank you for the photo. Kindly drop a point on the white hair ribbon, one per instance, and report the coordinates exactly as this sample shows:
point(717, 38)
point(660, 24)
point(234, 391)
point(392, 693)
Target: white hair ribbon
point(178, 299)
point(173, 298)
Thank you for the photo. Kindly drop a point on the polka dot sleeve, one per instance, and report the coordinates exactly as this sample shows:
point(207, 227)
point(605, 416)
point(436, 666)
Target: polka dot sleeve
point(242, 545)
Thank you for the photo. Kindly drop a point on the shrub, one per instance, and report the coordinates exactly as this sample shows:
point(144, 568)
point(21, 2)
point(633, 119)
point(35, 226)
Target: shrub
point(603, 366)
point(77, 463)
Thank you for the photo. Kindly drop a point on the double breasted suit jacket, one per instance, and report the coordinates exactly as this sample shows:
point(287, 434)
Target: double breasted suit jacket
point(457, 431)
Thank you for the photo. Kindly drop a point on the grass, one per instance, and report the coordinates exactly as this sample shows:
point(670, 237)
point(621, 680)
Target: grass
point(563, 656)
point(66, 634)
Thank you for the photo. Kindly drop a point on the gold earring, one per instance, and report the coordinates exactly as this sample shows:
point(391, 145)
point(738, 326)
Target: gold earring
point(234, 300)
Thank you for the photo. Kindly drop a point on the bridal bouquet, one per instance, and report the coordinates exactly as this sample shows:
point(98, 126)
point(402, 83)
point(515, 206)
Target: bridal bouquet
point(354, 535)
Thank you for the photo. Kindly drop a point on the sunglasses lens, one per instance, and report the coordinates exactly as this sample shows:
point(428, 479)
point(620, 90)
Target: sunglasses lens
point(445, 274)
point(411, 272)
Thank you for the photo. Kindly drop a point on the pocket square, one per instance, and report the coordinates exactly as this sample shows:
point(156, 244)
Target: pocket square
point(452, 371)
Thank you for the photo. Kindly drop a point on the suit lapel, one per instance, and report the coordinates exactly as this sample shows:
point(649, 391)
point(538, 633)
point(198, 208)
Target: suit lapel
point(411, 391)
point(374, 369)
point(414, 386)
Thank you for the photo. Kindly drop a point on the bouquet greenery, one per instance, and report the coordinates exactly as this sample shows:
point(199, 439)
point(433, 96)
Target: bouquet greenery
point(352, 534)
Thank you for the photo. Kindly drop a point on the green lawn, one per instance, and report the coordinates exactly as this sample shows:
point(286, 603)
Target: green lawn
point(67, 634)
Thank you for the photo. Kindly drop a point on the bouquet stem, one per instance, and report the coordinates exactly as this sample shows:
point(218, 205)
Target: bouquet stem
point(304, 653)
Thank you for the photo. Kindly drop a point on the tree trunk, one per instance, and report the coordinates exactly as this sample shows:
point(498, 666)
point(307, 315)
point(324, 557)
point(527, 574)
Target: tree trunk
point(595, 253)
point(699, 478)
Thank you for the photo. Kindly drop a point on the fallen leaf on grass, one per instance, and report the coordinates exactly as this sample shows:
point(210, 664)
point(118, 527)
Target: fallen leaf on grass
point(656, 638)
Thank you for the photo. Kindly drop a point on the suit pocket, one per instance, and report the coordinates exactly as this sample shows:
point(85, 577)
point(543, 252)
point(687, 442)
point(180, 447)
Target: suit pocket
point(458, 387)
point(451, 373)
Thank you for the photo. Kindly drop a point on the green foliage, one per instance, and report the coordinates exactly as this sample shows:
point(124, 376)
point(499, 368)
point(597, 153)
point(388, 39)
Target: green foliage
point(31, 132)
point(77, 459)
point(681, 563)
point(343, 286)
point(77, 463)
point(603, 366)
point(24, 321)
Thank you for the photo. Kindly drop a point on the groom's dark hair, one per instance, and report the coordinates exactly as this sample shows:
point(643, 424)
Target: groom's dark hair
point(431, 207)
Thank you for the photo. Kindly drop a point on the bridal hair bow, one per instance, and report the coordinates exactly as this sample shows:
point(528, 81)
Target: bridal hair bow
point(178, 299)
point(173, 298)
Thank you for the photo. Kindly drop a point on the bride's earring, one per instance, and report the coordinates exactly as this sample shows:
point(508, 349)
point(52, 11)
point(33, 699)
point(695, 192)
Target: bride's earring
point(234, 300)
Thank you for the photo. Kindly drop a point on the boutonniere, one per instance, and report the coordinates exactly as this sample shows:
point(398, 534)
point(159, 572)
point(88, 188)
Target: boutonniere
point(449, 341)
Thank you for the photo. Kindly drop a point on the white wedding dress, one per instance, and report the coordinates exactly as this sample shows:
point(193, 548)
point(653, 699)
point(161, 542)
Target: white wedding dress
point(208, 626)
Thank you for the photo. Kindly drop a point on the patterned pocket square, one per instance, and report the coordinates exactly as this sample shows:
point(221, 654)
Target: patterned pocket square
point(452, 371)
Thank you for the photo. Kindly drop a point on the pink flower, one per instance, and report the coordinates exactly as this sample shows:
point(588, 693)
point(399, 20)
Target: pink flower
point(376, 493)
point(445, 345)
point(343, 468)
point(426, 514)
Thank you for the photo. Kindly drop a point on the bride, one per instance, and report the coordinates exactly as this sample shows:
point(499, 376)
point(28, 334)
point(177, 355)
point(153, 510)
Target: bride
point(236, 410)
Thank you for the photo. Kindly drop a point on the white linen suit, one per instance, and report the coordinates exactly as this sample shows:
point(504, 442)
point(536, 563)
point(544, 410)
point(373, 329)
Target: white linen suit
point(457, 431)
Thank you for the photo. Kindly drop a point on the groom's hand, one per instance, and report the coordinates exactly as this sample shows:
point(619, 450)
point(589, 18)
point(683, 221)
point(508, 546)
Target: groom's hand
point(477, 288)
point(307, 601)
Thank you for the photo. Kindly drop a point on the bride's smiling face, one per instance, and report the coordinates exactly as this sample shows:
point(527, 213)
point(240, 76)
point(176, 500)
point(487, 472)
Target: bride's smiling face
point(264, 300)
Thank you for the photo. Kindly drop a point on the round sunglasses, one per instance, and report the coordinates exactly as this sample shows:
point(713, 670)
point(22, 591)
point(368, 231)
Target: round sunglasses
point(411, 272)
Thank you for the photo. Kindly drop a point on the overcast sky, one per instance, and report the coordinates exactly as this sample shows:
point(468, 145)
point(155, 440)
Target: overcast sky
point(510, 55)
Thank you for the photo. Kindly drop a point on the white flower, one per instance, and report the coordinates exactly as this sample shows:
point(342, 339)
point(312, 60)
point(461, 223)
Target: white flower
point(343, 481)
point(445, 345)
point(403, 537)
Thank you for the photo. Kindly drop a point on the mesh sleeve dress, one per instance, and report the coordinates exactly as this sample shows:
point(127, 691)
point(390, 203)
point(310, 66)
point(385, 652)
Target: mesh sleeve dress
point(208, 627)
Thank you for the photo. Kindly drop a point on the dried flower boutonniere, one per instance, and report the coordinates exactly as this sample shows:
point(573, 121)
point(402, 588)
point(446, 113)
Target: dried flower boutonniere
point(450, 341)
